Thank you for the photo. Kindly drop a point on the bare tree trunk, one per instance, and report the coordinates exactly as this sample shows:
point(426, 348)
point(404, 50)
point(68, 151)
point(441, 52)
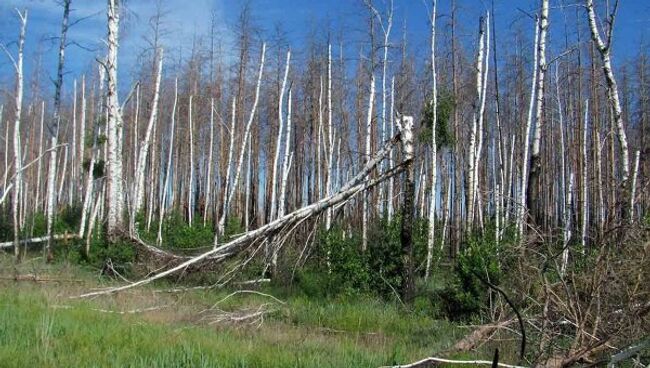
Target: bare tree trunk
point(434, 147)
point(208, 180)
point(633, 190)
point(612, 88)
point(366, 199)
point(73, 148)
point(532, 195)
point(190, 190)
point(248, 187)
point(476, 122)
point(37, 199)
point(567, 226)
point(82, 130)
point(521, 213)
point(274, 176)
point(166, 184)
point(226, 188)
point(138, 191)
point(18, 66)
point(585, 192)
point(115, 201)
point(405, 125)
point(390, 211)
point(228, 199)
point(286, 166)
point(330, 141)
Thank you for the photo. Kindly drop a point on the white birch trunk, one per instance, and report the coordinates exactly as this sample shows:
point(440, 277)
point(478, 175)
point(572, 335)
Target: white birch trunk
point(390, 210)
point(285, 162)
point(154, 178)
point(73, 148)
point(521, 206)
point(274, 179)
point(165, 189)
point(18, 65)
point(39, 165)
point(434, 148)
point(541, 72)
point(82, 129)
point(633, 190)
point(366, 199)
point(208, 179)
point(190, 189)
point(226, 187)
point(585, 192)
point(226, 205)
point(247, 196)
point(612, 90)
point(138, 192)
point(319, 181)
point(567, 227)
point(472, 161)
point(330, 142)
point(115, 202)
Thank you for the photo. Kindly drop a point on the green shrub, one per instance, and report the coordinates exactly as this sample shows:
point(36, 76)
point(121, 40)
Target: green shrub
point(466, 295)
point(339, 267)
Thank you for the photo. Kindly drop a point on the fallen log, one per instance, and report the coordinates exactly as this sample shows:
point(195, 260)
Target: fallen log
point(433, 361)
point(479, 335)
point(357, 184)
point(41, 239)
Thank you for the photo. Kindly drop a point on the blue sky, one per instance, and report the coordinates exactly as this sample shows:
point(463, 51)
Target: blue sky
point(189, 17)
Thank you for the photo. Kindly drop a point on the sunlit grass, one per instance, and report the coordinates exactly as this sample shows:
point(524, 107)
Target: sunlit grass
point(41, 327)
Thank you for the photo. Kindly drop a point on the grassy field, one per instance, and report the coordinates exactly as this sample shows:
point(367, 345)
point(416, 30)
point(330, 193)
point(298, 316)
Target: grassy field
point(41, 326)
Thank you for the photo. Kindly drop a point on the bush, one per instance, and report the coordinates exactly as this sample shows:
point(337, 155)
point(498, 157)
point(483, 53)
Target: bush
point(466, 295)
point(339, 267)
point(176, 233)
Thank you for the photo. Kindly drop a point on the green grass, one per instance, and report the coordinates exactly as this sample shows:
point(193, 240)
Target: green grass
point(41, 326)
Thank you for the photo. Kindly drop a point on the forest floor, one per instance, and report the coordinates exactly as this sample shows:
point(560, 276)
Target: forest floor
point(42, 326)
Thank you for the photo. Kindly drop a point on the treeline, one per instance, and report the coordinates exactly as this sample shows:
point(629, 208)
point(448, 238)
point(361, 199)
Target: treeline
point(545, 139)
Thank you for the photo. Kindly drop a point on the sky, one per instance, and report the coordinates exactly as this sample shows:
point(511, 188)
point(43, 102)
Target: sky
point(188, 18)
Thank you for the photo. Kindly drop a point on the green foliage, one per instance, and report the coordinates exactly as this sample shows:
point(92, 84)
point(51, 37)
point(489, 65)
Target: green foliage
point(6, 229)
point(466, 294)
point(340, 268)
point(178, 234)
point(98, 168)
point(444, 134)
point(121, 254)
point(66, 221)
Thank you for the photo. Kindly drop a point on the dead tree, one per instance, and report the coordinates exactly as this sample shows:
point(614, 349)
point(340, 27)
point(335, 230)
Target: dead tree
point(115, 199)
point(532, 197)
point(17, 181)
point(407, 289)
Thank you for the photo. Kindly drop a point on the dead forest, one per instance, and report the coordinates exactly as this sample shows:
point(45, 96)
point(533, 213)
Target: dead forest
point(521, 169)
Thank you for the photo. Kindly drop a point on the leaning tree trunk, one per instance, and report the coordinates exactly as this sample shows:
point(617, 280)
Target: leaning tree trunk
point(604, 49)
point(138, 191)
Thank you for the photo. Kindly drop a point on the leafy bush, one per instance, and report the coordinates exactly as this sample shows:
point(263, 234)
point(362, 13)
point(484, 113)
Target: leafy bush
point(466, 294)
point(176, 232)
point(339, 266)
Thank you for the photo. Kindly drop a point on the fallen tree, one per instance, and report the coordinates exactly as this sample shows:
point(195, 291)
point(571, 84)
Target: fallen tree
point(358, 184)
